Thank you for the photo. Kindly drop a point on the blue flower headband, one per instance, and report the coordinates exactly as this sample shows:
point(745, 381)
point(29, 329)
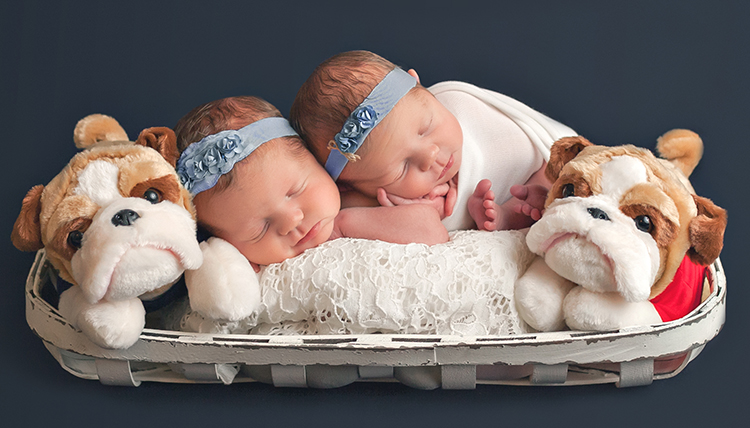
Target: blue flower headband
point(365, 117)
point(202, 163)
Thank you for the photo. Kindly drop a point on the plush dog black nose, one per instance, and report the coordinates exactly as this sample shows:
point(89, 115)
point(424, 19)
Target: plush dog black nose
point(125, 218)
point(598, 214)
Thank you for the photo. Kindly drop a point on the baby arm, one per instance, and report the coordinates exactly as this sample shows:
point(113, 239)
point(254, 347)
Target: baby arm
point(403, 224)
point(352, 198)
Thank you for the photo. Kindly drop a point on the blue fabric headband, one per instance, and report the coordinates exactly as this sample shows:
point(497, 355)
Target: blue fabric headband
point(365, 117)
point(203, 162)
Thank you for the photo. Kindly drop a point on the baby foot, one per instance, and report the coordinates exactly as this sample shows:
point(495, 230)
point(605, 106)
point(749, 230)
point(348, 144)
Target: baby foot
point(531, 197)
point(482, 207)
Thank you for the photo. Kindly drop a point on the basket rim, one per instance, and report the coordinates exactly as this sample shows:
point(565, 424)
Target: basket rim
point(569, 347)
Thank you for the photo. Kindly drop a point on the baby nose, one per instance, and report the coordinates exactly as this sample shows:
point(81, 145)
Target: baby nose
point(430, 155)
point(292, 220)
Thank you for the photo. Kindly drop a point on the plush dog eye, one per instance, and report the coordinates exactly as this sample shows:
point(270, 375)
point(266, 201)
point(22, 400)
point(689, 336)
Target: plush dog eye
point(643, 223)
point(74, 238)
point(152, 196)
point(568, 190)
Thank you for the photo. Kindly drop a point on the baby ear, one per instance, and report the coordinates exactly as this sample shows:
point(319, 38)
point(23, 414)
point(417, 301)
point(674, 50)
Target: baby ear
point(27, 232)
point(706, 231)
point(163, 140)
point(562, 152)
point(413, 73)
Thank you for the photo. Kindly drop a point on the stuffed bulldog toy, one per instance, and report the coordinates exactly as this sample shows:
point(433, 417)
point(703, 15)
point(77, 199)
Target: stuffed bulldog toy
point(120, 229)
point(623, 240)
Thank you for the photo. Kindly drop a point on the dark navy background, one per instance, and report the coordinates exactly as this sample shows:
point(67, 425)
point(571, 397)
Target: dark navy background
point(617, 72)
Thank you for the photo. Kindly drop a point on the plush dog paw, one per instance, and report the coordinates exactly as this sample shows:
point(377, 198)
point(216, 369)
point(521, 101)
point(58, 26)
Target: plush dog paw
point(539, 295)
point(225, 287)
point(116, 324)
point(587, 310)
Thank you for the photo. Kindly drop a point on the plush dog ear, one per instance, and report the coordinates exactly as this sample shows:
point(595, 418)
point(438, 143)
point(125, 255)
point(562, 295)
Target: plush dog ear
point(162, 140)
point(707, 231)
point(27, 232)
point(562, 151)
point(682, 147)
point(95, 128)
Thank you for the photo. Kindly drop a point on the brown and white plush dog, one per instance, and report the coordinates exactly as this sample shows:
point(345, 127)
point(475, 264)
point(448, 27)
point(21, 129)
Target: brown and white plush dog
point(117, 224)
point(623, 240)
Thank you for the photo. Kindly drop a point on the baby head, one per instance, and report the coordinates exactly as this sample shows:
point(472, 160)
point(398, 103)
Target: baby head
point(373, 125)
point(254, 183)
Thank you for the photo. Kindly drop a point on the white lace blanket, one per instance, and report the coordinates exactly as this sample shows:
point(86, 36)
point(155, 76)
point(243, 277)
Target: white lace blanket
point(354, 286)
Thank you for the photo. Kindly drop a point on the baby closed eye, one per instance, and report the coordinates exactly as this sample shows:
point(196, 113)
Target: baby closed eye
point(297, 190)
point(260, 234)
point(404, 170)
point(426, 126)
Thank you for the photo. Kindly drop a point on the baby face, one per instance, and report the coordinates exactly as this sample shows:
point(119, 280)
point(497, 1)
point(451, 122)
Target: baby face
point(278, 205)
point(415, 148)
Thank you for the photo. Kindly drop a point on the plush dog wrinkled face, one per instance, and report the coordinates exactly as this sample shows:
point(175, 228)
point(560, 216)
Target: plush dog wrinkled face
point(614, 240)
point(117, 223)
point(617, 219)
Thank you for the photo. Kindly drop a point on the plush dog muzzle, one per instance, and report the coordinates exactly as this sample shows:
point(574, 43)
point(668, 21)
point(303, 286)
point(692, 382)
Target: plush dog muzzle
point(133, 247)
point(590, 242)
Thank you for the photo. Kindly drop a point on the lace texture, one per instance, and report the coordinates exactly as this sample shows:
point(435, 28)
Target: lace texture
point(354, 286)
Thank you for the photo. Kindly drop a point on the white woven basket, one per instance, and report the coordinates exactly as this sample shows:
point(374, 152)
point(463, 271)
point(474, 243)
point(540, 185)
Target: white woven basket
point(627, 357)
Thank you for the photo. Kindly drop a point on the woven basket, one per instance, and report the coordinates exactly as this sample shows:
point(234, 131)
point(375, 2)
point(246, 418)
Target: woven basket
point(626, 357)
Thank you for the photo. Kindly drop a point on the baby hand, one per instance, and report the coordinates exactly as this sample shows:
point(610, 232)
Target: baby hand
point(442, 198)
point(388, 200)
point(531, 197)
point(482, 207)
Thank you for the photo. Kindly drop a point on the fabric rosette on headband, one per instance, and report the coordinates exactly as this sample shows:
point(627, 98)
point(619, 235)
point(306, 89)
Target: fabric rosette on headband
point(203, 162)
point(365, 117)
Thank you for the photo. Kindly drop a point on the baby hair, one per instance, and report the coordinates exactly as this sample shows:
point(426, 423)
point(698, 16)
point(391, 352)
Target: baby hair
point(229, 113)
point(335, 88)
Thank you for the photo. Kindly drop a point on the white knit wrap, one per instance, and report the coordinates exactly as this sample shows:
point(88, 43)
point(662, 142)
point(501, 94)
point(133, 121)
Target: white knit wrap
point(354, 286)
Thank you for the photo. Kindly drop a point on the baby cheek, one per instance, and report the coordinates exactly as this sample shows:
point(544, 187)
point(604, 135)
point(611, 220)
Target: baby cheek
point(421, 186)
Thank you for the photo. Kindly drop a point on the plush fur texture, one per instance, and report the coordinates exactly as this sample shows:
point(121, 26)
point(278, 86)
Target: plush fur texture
point(96, 128)
point(617, 224)
point(222, 264)
point(118, 225)
point(123, 262)
point(107, 171)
